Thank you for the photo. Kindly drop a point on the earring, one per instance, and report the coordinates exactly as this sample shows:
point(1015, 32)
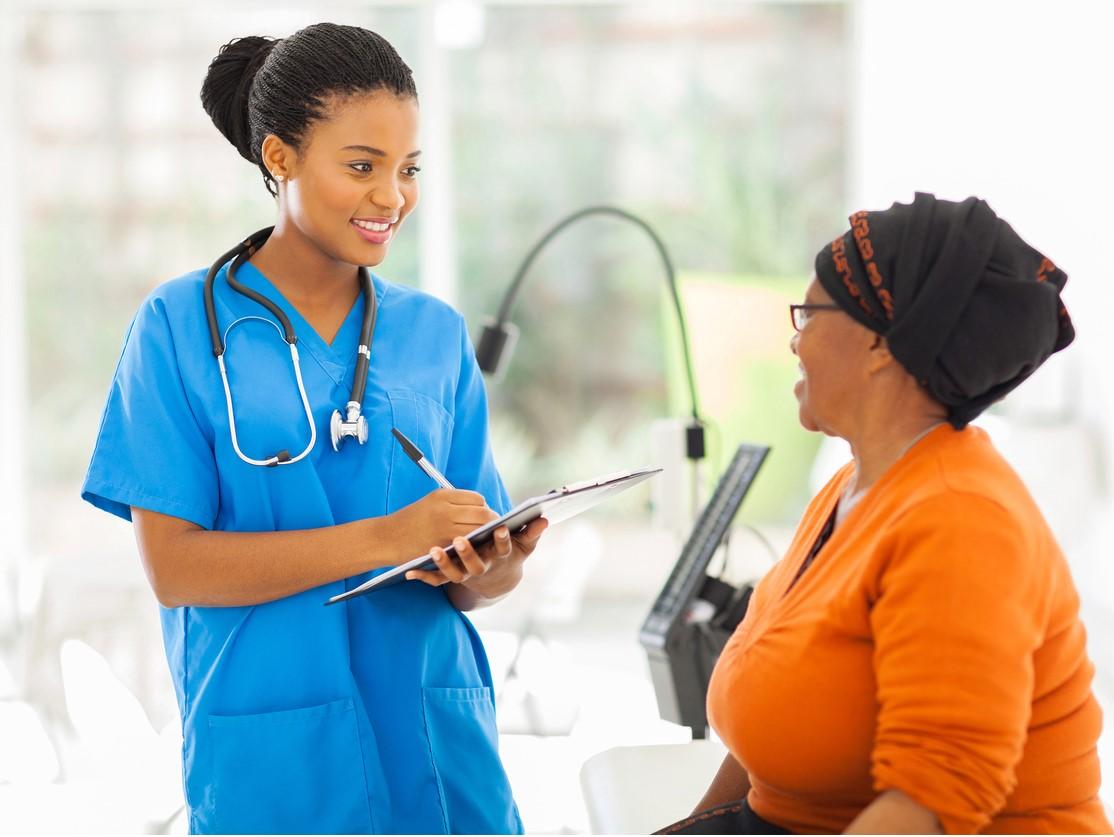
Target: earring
point(280, 177)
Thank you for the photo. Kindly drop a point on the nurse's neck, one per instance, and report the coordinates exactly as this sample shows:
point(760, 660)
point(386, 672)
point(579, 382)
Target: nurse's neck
point(308, 277)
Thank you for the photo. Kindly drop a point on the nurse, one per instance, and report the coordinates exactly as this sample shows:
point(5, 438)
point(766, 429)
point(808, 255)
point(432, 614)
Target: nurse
point(376, 715)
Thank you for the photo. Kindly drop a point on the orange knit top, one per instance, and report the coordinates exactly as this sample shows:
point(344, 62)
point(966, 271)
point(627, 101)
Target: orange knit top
point(933, 646)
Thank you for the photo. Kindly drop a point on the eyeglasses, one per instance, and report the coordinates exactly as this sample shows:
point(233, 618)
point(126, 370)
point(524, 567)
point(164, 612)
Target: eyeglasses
point(799, 314)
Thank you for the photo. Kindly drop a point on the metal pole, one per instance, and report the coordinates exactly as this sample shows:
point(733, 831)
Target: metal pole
point(437, 253)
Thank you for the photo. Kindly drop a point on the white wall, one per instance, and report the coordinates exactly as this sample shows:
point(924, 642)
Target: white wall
point(1012, 101)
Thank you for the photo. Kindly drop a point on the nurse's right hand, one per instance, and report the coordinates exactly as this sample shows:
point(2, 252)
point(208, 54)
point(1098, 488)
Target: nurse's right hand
point(437, 518)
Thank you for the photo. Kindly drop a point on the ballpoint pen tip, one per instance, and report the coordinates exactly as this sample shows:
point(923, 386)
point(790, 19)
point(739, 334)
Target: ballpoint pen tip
point(408, 446)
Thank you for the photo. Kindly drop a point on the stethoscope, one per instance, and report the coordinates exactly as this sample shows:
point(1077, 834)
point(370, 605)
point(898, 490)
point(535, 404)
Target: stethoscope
point(352, 424)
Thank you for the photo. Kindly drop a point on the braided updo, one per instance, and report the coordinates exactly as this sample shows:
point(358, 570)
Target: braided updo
point(258, 86)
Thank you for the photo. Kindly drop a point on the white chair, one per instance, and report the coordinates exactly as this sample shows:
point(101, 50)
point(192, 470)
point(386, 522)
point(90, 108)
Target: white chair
point(637, 790)
point(117, 753)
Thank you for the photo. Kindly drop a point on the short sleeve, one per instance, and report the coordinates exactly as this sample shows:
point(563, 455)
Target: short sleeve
point(956, 622)
point(150, 451)
point(471, 462)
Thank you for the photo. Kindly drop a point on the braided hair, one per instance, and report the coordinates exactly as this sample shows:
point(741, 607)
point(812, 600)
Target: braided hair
point(258, 86)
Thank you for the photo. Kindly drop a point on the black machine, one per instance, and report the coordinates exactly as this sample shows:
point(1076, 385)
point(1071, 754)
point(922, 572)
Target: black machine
point(695, 613)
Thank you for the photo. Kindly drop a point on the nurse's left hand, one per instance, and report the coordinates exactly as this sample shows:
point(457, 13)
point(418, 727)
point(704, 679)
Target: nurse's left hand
point(485, 574)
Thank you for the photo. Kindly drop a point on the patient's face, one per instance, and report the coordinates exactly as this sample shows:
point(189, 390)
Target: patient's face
point(832, 352)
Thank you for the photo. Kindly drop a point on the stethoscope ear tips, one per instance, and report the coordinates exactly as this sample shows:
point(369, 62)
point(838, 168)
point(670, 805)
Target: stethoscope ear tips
point(340, 429)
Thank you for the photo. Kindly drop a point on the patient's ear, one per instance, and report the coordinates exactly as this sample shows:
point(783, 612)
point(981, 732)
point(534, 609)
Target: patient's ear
point(880, 357)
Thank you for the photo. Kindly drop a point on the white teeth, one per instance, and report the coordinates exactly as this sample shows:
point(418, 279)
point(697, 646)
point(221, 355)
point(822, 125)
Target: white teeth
point(370, 225)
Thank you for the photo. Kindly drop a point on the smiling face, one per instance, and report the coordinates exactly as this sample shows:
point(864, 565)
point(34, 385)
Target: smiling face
point(834, 358)
point(354, 180)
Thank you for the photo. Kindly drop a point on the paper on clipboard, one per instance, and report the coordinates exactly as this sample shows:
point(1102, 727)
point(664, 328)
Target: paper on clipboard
point(556, 505)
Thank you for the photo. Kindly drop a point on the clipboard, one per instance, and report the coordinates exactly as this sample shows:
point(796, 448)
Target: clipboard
point(556, 505)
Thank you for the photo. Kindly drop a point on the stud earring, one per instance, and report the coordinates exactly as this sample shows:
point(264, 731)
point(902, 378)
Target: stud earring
point(280, 177)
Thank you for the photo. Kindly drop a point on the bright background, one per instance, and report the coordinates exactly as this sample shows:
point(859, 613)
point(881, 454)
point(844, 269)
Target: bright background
point(743, 132)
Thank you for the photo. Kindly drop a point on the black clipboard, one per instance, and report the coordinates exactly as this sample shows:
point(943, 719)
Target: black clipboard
point(557, 505)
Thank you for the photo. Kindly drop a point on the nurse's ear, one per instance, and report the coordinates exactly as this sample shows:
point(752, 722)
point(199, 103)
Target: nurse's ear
point(278, 157)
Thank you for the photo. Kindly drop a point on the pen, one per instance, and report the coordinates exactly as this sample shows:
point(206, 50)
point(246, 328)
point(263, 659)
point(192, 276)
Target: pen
point(419, 459)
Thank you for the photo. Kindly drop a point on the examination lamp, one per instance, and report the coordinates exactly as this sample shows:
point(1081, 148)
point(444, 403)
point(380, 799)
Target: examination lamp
point(499, 336)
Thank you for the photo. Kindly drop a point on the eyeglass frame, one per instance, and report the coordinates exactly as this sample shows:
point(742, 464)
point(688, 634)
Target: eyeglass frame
point(805, 307)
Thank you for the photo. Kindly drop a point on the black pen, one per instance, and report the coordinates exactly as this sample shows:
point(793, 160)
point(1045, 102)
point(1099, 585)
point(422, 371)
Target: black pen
point(419, 459)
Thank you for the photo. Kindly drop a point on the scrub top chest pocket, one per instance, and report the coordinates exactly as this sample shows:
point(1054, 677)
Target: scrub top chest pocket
point(429, 426)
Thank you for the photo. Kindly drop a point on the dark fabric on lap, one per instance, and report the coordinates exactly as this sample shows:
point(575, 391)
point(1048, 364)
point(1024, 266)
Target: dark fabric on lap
point(732, 818)
point(965, 305)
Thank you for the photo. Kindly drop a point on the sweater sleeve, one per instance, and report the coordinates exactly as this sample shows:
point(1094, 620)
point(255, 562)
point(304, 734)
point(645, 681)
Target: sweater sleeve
point(956, 619)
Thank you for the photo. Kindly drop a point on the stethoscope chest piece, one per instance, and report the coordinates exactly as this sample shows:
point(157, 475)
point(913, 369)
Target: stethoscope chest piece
point(354, 426)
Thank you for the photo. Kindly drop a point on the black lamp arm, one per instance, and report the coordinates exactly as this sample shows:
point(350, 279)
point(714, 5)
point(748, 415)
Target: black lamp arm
point(670, 278)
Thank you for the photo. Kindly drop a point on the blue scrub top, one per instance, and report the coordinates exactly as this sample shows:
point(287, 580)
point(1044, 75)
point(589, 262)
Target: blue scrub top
point(376, 715)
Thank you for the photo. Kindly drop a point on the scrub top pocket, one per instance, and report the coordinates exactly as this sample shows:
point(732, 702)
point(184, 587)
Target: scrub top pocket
point(463, 739)
point(300, 770)
point(429, 426)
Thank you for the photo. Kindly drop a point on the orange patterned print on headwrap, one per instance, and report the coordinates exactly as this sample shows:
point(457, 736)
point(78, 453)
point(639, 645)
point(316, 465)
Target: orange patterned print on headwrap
point(839, 259)
point(860, 228)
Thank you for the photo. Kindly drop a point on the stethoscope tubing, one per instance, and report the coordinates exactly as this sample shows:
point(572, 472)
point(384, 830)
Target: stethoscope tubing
point(238, 255)
point(296, 362)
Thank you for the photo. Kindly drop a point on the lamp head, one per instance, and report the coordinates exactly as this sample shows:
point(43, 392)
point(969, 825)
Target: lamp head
point(494, 348)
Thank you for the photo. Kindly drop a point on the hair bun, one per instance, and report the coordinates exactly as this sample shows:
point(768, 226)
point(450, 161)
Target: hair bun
point(224, 93)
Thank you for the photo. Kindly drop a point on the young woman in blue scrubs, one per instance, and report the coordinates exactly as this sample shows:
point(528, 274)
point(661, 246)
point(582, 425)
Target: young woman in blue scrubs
point(375, 715)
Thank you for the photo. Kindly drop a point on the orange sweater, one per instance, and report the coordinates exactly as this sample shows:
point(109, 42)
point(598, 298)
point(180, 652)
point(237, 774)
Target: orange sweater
point(934, 646)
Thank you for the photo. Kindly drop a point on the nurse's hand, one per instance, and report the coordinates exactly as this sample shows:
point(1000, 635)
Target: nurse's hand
point(438, 517)
point(483, 576)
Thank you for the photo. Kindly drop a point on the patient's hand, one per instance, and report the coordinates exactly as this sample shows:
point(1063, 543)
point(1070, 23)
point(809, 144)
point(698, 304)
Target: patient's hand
point(893, 812)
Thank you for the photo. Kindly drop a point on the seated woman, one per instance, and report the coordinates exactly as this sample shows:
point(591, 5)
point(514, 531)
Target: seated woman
point(915, 662)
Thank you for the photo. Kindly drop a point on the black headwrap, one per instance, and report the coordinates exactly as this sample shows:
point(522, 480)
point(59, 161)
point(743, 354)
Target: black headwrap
point(966, 306)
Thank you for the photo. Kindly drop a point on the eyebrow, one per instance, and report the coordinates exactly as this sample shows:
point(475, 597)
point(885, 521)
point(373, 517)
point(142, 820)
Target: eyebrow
point(375, 152)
